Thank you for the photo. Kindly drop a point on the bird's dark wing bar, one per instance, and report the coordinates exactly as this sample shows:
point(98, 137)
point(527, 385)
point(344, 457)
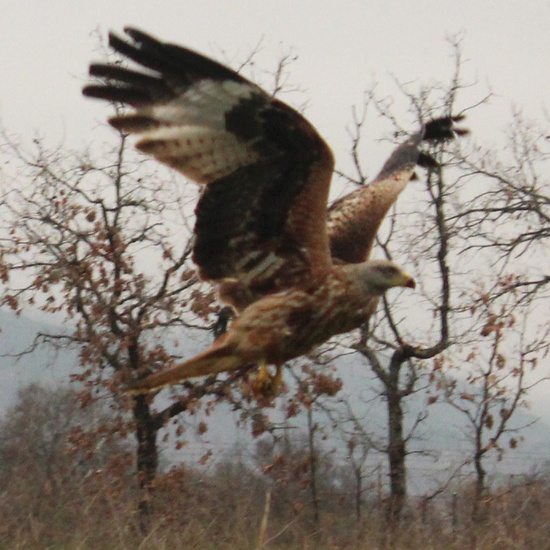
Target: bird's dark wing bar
point(141, 88)
point(354, 220)
point(407, 155)
point(261, 219)
point(174, 70)
point(444, 129)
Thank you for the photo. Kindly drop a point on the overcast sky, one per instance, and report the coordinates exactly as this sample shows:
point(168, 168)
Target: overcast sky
point(343, 47)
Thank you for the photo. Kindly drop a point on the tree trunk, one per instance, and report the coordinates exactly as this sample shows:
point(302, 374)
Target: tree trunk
point(358, 496)
point(146, 458)
point(396, 449)
point(313, 466)
point(479, 490)
point(396, 455)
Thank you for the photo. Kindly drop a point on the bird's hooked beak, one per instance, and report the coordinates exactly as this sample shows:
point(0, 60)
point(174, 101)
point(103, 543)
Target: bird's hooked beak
point(404, 280)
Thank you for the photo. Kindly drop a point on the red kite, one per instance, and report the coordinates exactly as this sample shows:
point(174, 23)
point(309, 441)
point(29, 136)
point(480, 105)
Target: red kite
point(296, 274)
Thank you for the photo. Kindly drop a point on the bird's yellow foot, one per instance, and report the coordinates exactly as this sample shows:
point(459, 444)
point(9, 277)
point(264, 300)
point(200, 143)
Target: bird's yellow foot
point(265, 383)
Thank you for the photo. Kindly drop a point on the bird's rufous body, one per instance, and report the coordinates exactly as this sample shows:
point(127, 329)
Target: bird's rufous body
point(291, 323)
point(296, 273)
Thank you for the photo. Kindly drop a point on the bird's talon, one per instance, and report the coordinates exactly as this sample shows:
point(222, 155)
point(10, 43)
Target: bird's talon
point(266, 384)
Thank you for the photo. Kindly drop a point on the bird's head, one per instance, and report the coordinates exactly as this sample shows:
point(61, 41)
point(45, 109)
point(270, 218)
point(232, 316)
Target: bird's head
point(381, 275)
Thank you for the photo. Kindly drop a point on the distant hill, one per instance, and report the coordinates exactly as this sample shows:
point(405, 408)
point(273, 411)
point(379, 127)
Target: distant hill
point(442, 433)
point(43, 365)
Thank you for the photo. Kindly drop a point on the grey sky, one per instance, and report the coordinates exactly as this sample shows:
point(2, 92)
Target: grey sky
point(343, 47)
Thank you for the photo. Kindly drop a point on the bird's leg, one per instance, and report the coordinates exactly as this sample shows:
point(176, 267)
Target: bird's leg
point(277, 379)
point(265, 383)
point(263, 378)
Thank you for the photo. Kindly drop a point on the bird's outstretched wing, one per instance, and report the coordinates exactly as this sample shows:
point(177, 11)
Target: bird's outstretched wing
point(353, 220)
point(261, 219)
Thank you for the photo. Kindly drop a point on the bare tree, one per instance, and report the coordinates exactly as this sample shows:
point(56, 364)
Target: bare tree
point(359, 447)
point(103, 241)
point(400, 376)
point(455, 212)
point(50, 448)
point(511, 216)
point(82, 236)
point(490, 385)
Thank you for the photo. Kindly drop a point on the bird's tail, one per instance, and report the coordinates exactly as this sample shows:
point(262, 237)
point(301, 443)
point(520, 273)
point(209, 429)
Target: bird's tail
point(212, 361)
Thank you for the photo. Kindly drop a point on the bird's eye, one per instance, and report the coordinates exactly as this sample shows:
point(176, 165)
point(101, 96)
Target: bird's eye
point(389, 271)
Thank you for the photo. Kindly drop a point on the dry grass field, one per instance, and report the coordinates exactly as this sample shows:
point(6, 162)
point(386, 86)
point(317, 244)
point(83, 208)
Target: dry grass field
point(227, 510)
point(65, 488)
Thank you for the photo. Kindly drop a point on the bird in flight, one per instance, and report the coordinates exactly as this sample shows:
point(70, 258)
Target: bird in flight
point(295, 271)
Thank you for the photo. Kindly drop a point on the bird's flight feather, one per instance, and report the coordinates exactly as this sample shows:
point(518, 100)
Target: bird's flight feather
point(262, 225)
